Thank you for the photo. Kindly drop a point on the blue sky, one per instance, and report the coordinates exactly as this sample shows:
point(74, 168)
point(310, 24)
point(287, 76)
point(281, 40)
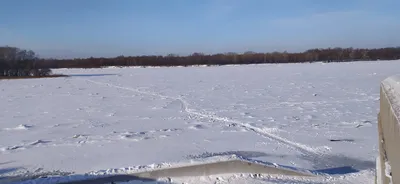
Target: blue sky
point(84, 28)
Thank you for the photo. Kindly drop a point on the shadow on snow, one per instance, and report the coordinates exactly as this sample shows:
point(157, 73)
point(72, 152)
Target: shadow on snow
point(92, 75)
point(322, 165)
point(68, 178)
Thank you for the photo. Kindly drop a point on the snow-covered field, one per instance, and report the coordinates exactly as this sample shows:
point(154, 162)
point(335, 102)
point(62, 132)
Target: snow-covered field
point(319, 117)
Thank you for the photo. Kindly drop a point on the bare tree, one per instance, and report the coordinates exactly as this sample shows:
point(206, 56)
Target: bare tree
point(18, 62)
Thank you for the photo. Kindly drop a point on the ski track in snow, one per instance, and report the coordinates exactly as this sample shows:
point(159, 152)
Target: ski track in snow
point(264, 132)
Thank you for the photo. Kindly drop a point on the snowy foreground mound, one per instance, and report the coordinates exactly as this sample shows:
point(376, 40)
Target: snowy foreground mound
point(319, 118)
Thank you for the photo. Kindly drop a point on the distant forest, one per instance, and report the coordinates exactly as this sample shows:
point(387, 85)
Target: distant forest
point(313, 55)
point(15, 61)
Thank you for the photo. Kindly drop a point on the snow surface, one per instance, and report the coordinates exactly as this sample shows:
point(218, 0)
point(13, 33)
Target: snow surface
point(318, 117)
point(378, 171)
point(388, 172)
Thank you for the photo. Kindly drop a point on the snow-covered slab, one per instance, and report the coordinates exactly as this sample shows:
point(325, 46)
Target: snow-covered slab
point(391, 85)
point(316, 117)
point(389, 133)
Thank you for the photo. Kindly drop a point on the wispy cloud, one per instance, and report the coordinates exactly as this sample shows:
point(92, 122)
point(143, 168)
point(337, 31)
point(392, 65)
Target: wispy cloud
point(346, 28)
point(217, 10)
point(332, 18)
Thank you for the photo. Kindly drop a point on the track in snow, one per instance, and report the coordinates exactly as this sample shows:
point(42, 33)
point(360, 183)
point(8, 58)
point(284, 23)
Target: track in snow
point(264, 132)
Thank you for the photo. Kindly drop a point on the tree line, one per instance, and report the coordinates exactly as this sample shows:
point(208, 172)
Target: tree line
point(312, 55)
point(16, 62)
